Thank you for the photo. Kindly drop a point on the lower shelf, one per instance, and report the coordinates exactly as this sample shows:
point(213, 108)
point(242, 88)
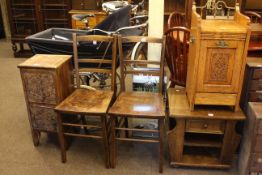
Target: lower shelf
point(205, 161)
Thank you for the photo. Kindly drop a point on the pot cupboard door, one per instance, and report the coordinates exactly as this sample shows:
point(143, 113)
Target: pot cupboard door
point(220, 65)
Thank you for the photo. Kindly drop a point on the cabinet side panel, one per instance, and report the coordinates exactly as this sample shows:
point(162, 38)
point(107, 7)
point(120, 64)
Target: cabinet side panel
point(194, 50)
point(64, 81)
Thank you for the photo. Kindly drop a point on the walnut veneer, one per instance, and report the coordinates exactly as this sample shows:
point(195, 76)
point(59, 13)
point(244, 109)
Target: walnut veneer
point(217, 58)
point(46, 82)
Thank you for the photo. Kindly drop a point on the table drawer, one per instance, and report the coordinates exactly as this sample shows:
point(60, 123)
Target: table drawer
point(255, 97)
point(205, 126)
point(258, 144)
point(256, 85)
point(43, 118)
point(256, 163)
point(257, 74)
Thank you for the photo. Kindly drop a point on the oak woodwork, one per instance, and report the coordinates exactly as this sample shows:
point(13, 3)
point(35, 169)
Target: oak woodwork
point(138, 105)
point(250, 159)
point(205, 137)
point(47, 80)
point(217, 57)
point(252, 86)
point(84, 102)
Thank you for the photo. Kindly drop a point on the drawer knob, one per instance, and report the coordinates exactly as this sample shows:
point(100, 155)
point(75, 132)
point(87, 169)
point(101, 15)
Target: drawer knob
point(259, 160)
point(221, 44)
point(205, 126)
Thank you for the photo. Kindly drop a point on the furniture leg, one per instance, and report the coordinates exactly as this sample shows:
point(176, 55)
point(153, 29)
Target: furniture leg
point(113, 141)
point(105, 140)
point(61, 138)
point(161, 136)
point(35, 136)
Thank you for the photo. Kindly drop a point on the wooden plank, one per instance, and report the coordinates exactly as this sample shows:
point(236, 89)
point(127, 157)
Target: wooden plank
point(134, 129)
point(138, 140)
point(204, 161)
point(83, 135)
point(90, 60)
point(215, 99)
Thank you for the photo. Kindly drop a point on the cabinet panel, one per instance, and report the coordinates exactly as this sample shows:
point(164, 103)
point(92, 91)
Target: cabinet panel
point(40, 86)
point(44, 118)
point(222, 62)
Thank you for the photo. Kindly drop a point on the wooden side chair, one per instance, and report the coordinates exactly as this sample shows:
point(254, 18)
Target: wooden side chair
point(84, 102)
point(176, 54)
point(138, 105)
point(176, 19)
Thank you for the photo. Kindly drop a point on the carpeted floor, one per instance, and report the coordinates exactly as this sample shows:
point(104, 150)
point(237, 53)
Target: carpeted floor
point(18, 156)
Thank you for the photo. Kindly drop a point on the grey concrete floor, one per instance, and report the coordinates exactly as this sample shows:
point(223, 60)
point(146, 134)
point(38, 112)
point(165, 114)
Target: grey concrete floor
point(18, 156)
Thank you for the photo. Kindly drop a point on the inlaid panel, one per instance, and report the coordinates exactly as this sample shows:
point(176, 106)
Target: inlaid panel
point(43, 118)
point(40, 86)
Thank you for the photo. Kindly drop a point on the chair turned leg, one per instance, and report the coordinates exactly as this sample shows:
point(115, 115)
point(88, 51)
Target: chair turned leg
point(61, 138)
point(113, 142)
point(105, 141)
point(161, 137)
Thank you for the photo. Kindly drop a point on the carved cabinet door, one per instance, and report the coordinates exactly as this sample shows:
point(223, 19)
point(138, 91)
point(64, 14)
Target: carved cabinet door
point(220, 65)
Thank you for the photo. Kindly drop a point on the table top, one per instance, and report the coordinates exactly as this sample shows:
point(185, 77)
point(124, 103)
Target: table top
point(47, 61)
point(256, 28)
point(179, 109)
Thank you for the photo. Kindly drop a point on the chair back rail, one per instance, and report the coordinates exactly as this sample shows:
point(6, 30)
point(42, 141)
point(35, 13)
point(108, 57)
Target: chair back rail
point(125, 62)
point(176, 19)
point(111, 40)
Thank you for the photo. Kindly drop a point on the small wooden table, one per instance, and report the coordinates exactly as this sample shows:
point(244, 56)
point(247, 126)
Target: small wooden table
point(205, 137)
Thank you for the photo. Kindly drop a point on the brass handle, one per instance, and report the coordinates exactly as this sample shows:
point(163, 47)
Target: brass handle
point(205, 126)
point(192, 39)
point(221, 44)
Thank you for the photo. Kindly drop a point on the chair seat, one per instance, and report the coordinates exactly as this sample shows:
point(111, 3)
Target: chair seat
point(84, 101)
point(139, 104)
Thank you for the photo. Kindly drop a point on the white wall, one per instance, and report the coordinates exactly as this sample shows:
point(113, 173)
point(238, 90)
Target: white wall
point(156, 24)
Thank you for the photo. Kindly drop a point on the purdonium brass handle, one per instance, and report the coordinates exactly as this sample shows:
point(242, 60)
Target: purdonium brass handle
point(192, 39)
point(221, 44)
